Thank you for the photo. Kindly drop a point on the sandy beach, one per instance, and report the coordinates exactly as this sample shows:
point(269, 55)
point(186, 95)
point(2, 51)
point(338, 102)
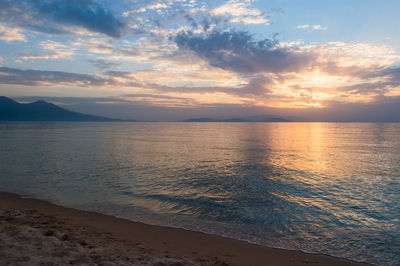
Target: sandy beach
point(35, 232)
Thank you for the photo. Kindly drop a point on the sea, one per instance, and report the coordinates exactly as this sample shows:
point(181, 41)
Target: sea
point(326, 188)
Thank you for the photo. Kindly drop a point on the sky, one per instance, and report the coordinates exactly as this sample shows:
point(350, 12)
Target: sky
point(307, 60)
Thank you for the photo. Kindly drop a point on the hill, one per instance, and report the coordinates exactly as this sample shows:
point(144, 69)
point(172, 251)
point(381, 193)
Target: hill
point(11, 110)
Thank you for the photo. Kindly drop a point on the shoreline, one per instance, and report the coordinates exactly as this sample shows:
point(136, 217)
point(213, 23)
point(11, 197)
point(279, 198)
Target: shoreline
point(67, 235)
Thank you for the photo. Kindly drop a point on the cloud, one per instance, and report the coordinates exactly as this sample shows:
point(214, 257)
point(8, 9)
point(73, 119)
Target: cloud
point(376, 83)
point(54, 50)
point(239, 12)
point(11, 34)
point(149, 7)
point(311, 27)
point(240, 52)
point(95, 45)
point(319, 27)
point(157, 6)
point(55, 16)
point(141, 50)
point(306, 26)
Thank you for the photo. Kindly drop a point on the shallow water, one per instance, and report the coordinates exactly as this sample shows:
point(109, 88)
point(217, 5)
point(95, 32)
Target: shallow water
point(331, 188)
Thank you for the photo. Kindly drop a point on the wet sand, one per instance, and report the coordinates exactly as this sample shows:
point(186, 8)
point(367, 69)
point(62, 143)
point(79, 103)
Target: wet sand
point(35, 232)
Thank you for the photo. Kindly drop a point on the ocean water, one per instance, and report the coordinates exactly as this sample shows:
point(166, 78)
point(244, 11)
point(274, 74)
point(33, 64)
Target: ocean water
point(330, 188)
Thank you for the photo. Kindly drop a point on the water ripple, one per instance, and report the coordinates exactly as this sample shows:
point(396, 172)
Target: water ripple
point(319, 187)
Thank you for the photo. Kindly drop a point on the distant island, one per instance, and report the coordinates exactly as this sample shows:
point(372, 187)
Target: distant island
point(11, 110)
point(260, 118)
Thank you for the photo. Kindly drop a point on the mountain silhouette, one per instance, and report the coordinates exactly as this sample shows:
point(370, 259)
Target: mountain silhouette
point(11, 110)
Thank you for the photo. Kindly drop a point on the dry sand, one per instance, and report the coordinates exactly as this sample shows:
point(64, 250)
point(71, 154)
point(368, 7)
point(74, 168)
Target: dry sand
point(35, 232)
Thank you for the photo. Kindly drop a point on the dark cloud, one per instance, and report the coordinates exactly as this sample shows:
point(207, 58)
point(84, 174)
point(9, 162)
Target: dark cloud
point(367, 88)
point(50, 16)
point(102, 64)
point(32, 77)
point(387, 78)
point(85, 13)
point(257, 86)
point(120, 74)
point(383, 109)
point(240, 52)
point(155, 96)
point(393, 73)
point(36, 77)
